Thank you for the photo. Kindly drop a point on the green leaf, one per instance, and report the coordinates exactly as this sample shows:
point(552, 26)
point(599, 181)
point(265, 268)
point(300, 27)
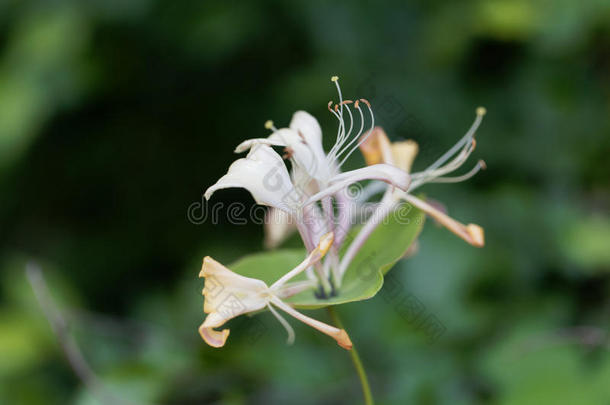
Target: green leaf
point(269, 266)
point(364, 277)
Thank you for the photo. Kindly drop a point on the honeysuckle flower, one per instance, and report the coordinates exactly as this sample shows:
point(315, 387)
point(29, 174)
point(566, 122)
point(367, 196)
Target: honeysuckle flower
point(377, 148)
point(227, 295)
point(302, 141)
point(313, 195)
point(270, 184)
point(315, 176)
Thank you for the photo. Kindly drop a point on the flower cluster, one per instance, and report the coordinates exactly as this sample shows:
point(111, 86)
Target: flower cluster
point(310, 195)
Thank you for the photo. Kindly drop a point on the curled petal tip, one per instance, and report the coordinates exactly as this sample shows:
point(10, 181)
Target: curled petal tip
point(208, 193)
point(476, 234)
point(213, 337)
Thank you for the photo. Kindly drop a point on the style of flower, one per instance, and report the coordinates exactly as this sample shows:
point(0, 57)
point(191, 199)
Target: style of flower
point(227, 295)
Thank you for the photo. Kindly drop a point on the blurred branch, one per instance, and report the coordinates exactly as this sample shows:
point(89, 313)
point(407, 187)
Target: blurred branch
point(109, 326)
point(585, 335)
point(67, 342)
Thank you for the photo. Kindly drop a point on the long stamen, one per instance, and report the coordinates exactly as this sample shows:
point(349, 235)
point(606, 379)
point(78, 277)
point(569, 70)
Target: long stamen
point(269, 125)
point(295, 287)
point(315, 256)
point(428, 175)
point(457, 161)
point(338, 334)
point(340, 137)
point(351, 120)
point(338, 146)
point(469, 134)
point(343, 149)
point(343, 136)
point(381, 211)
point(285, 324)
point(478, 167)
point(364, 138)
point(336, 80)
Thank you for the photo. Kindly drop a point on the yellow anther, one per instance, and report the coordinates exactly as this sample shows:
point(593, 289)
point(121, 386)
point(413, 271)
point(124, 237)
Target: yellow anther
point(269, 124)
point(334, 78)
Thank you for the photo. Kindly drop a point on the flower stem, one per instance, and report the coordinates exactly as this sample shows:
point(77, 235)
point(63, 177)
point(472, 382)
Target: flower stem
point(364, 382)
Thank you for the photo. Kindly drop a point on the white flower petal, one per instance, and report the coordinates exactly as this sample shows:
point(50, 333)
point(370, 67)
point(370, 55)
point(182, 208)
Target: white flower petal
point(308, 126)
point(308, 154)
point(213, 337)
point(303, 142)
point(227, 295)
point(264, 175)
point(251, 143)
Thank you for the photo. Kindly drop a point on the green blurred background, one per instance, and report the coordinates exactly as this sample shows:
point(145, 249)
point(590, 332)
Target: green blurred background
point(116, 115)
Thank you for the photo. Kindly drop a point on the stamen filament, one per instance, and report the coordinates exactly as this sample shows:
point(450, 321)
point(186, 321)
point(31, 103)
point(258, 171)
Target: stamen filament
point(469, 134)
point(336, 80)
point(338, 334)
point(333, 155)
point(285, 324)
point(478, 167)
point(313, 258)
point(295, 287)
point(269, 125)
point(428, 175)
point(364, 138)
point(383, 209)
point(330, 157)
point(351, 119)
